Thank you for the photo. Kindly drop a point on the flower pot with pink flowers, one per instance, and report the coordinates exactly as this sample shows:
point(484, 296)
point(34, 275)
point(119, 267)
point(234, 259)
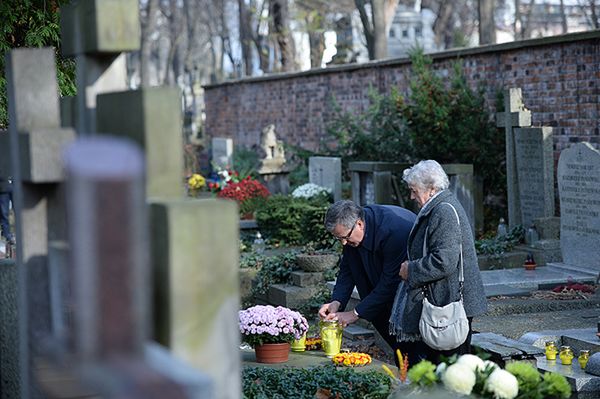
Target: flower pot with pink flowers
point(270, 331)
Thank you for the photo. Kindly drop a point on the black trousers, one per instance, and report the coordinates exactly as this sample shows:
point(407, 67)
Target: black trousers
point(416, 351)
point(436, 356)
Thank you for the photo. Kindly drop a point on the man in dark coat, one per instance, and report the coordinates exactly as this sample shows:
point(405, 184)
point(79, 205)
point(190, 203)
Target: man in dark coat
point(5, 200)
point(374, 240)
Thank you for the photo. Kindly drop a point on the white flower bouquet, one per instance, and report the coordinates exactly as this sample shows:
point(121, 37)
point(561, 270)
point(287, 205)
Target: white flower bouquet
point(310, 190)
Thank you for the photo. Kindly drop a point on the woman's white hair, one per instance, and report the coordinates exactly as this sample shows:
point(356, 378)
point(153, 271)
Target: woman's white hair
point(426, 175)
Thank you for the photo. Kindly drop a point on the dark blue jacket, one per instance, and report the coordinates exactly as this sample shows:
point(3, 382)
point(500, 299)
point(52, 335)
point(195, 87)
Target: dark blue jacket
point(373, 266)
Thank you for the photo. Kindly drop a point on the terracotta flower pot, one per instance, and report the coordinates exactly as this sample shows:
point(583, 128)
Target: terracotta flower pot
point(530, 266)
point(272, 353)
point(317, 262)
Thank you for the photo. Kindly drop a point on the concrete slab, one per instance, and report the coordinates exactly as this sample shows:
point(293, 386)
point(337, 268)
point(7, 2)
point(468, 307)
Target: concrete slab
point(533, 278)
point(586, 385)
point(304, 360)
point(504, 349)
point(355, 332)
point(577, 339)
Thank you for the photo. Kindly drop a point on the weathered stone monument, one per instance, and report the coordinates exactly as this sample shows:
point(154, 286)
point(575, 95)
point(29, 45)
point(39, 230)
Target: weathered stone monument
point(222, 152)
point(529, 163)
point(380, 182)
point(273, 170)
point(326, 172)
point(579, 191)
point(535, 173)
point(36, 141)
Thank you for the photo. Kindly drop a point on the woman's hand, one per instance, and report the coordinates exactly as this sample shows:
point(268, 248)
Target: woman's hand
point(404, 270)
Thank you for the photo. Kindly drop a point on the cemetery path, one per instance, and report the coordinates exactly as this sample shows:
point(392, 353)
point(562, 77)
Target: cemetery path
point(516, 325)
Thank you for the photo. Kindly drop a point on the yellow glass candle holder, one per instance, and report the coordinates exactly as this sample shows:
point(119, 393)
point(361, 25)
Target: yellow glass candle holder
point(551, 350)
point(299, 345)
point(566, 355)
point(584, 356)
point(331, 337)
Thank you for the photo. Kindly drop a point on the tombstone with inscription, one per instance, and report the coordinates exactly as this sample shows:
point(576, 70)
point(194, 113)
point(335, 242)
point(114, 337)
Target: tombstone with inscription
point(326, 172)
point(222, 152)
point(535, 173)
point(273, 169)
point(579, 191)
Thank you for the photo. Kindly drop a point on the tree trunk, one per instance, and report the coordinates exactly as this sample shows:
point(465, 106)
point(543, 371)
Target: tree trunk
point(245, 37)
point(443, 37)
point(563, 17)
point(379, 35)
point(367, 27)
point(281, 23)
point(146, 45)
point(487, 25)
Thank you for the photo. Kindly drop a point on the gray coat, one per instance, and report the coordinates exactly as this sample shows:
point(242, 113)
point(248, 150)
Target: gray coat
point(439, 267)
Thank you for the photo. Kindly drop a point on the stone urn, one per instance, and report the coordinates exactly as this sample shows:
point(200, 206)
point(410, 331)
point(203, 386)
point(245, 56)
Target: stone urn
point(317, 262)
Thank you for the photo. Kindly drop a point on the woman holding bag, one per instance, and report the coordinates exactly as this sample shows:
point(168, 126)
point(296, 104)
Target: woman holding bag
point(441, 272)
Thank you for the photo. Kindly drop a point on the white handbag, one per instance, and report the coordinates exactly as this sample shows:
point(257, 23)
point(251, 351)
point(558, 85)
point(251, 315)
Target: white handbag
point(445, 327)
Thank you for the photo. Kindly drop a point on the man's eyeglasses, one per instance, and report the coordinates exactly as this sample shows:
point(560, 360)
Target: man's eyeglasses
point(347, 236)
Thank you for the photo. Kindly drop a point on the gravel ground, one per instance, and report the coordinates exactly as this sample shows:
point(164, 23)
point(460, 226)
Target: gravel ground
point(515, 325)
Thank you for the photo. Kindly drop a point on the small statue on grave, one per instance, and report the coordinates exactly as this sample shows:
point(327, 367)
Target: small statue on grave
point(531, 236)
point(502, 229)
point(272, 147)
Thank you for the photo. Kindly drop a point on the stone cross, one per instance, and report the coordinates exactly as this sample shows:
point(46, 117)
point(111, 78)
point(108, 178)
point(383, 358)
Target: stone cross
point(111, 273)
point(193, 243)
point(515, 115)
point(97, 33)
point(36, 141)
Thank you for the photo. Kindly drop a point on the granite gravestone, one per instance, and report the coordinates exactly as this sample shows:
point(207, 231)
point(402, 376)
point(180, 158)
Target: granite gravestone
point(579, 190)
point(535, 173)
point(222, 152)
point(326, 172)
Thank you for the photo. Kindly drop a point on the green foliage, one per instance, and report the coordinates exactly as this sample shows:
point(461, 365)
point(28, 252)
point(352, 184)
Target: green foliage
point(502, 244)
point(450, 124)
point(295, 221)
point(423, 373)
point(555, 386)
point(529, 379)
point(273, 270)
point(291, 383)
point(245, 162)
point(32, 23)
point(378, 134)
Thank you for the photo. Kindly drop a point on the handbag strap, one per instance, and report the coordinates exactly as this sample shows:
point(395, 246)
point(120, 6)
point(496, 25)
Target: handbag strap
point(461, 275)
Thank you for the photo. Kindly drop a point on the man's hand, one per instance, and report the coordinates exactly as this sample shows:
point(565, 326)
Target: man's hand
point(404, 270)
point(345, 318)
point(327, 310)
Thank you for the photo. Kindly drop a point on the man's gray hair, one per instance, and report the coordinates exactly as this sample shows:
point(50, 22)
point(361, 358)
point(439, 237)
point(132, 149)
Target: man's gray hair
point(426, 175)
point(343, 212)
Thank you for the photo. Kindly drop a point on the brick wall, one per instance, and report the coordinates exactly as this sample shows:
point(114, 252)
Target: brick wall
point(559, 78)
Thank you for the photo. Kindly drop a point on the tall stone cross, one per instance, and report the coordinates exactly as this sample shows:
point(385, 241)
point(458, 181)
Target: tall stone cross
point(36, 143)
point(97, 33)
point(193, 247)
point(515, 115)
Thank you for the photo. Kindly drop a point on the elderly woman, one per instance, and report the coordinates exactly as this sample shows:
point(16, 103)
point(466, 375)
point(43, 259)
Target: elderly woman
point(434, 251)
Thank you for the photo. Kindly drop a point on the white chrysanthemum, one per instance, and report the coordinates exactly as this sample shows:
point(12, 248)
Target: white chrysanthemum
point(471, 361)
point(488, 363)
point(310, 190)
point(502, 384)
point(459, 378)
point(439, 370)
